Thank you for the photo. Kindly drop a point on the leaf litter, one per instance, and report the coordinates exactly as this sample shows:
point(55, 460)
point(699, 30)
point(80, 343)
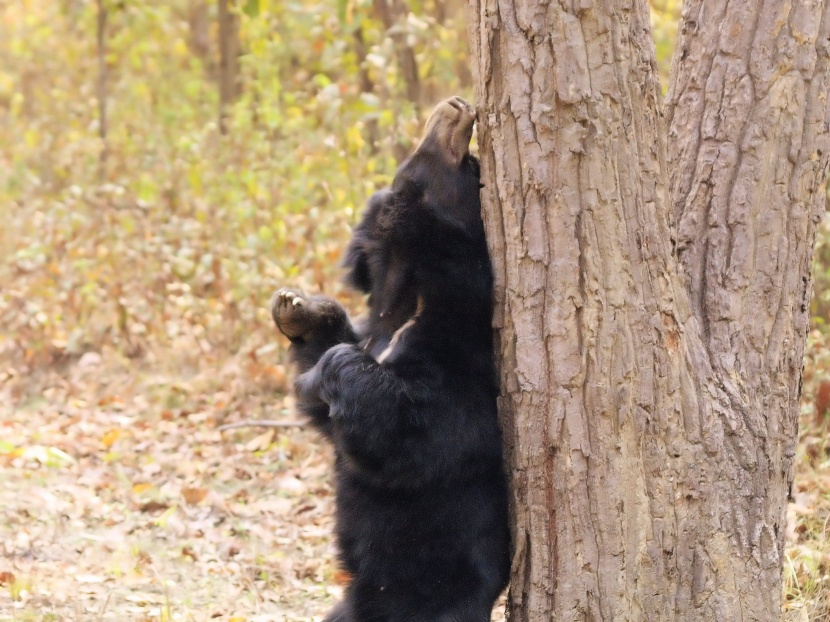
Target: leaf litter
point(120, 499)
point(114, 506)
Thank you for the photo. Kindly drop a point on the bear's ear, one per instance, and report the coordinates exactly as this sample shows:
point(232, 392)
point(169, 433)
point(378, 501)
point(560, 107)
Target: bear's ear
point(357, 259)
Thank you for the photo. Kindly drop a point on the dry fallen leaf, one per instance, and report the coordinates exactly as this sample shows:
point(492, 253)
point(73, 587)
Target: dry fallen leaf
point(341, 577)
point(141, 487)
point(261, 442)
point(153, 506)
point(144, 598)
point(289, 483)
point(110, 437)
point(194, 496)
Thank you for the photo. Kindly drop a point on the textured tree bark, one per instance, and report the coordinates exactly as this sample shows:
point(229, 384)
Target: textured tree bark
point(649, 406)
point(748, 119)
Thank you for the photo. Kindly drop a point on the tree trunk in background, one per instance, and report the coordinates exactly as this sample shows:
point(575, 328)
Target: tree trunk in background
point(392, 14)
point(228, 59)
point(650, 410)
point(199, 41)
point(366, 86)
point(101, 48)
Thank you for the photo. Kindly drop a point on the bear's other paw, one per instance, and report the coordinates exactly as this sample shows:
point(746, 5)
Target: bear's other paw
point(292, 313)
point(304, 318)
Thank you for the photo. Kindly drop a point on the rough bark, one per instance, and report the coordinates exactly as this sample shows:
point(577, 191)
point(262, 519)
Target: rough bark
point(650, 411)
point(748, 124)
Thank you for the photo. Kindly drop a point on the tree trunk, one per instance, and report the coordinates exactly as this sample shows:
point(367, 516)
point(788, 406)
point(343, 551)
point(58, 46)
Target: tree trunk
point(101, 50)
point(366, 86)
point(392, 13)
point(199, 41)
point(649, 405)
point(228, 59)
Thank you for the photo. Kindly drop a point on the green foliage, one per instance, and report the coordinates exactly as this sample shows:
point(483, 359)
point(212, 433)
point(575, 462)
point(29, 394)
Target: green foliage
point(664, 17)
point(178, 244)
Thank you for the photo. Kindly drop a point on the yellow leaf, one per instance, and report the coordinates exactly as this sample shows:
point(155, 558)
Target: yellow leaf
point(142, 487)
point(110, 437)
point(180, 48)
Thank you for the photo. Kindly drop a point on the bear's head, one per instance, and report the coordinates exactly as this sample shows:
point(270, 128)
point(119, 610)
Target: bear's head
point(422, 238)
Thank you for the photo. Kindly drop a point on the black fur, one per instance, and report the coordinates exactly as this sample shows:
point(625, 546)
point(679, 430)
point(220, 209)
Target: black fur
point(421, 506)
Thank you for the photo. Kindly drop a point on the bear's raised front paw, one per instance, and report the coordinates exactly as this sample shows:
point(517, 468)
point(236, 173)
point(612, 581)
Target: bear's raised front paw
point(449, 129)
point(292, 312)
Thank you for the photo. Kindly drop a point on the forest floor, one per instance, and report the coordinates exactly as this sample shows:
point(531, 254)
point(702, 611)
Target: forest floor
point(121, 500)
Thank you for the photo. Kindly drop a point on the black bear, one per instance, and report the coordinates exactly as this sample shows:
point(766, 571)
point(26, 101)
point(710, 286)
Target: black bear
point(409, 398)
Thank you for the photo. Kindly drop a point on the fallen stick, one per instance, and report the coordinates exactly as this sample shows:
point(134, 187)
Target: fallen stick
point(262, 423)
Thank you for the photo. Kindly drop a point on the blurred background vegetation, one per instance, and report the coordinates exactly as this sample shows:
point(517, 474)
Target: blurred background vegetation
point(166, 164)
point(140, 220)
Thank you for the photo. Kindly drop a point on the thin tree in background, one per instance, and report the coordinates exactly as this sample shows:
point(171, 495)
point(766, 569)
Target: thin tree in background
point(392, 14)
point(101, 43)
point(653, 281)
point(367, 86)
point(199, 39)
point(229, 85)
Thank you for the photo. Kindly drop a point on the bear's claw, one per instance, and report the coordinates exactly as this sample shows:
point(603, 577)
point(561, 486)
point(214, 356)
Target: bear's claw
point(288, 309)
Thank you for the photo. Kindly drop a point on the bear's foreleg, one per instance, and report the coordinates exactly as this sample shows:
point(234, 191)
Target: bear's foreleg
point(313, 324)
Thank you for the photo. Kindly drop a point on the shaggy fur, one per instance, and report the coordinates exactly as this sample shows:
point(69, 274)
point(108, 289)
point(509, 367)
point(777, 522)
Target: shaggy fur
point(409, 400)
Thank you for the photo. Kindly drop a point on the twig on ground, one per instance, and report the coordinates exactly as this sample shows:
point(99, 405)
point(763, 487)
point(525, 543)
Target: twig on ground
point(262, 423)
point(166, 593)
point(103, 609)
